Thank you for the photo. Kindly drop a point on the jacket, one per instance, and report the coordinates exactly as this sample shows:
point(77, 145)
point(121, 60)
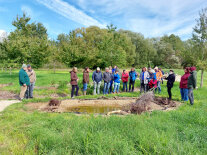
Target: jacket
point(85, 77)
point(23, 78)
point(125, 77)
point(159, 75)
point(74, 78)
point(97, 76)
point(32, 76)
point(106, 77)
point(153, 83)
point(184, 81)
point(192, 80)
point(117, 78)
point(170, 80)
point(146, 76)
point(132, 75)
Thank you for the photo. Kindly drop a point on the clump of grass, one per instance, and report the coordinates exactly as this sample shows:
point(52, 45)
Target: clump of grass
point(62, 84)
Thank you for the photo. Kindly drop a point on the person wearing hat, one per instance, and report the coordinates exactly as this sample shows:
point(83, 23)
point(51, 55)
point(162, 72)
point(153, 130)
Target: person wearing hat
point(97, 78)
point(192, 82)
point(159, 79)
point(24, 81)
point(32, 76)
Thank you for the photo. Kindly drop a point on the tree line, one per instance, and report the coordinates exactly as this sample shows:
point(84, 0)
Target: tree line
point(93, 46)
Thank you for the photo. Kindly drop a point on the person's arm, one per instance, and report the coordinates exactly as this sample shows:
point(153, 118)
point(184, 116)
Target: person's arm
point(21, 78)
point(93, 76)
point(104, 77)
point(73, 77)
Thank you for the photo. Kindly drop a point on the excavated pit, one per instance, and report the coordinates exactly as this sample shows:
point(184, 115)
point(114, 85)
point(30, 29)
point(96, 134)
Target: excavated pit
point(117, 105)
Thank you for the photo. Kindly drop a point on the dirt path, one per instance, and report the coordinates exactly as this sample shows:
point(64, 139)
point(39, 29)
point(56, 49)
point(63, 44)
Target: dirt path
point(6, 103)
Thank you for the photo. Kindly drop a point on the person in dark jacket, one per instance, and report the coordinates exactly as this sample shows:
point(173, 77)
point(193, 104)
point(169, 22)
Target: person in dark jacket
point(24, 81)
point(107, 80)
point(97, 78)
point(192, 82)
point(132, 77)
point(184, 84)
point(85, 80)
point(74, 81)
point(112, 79)
point(170, 81)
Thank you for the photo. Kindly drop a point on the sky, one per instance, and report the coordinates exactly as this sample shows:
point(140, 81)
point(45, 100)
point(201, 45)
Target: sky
point(152, 18)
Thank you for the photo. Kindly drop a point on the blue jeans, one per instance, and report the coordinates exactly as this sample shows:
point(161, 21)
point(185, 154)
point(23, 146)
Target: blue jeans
point(124, 85)
point(106, 88)
point(29, 92)
point(111, 86)
point(190, 95)
point(158, 86)
point(97, 86)
point(116, 87)
point(85, 85)
point(184, 94)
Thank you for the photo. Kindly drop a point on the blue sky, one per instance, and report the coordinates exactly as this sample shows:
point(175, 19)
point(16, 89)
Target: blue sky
point(152, 18)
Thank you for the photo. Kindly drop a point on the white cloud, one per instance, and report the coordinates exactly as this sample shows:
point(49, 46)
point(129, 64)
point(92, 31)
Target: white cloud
point(70, 12)
point(3, 35)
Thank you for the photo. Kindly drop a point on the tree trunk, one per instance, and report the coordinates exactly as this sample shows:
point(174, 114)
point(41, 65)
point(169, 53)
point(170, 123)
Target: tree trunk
point(201, 85)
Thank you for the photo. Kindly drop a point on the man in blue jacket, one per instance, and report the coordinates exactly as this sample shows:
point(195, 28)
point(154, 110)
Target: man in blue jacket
point(24, 81)
point(97, 78)
point(132, 76)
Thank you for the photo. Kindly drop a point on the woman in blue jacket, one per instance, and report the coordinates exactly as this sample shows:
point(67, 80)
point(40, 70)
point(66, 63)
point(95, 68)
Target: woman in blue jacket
point(117, 80)
point(132, 77)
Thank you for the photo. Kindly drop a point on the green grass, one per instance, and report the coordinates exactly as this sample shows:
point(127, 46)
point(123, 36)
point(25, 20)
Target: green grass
point(183, 131)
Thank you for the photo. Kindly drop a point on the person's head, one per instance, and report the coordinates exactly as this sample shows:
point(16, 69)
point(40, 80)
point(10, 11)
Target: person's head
point(24, 67)
point(151, 71)
point(116, 71)
point(160, 69)
point(149, 68)
point(193, 68)
point(124, 71)
point(98, 69)
point(29, 67)
point(87, 69)
point(107, 69)
point(110, 68)
point(171, 71)
point(75, 69)
point(144, 69)
point(156, 69)
point(115, 67)
point(132, 69)
point(187, 69)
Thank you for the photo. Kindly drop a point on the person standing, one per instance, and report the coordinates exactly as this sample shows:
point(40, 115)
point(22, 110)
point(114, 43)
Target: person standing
point(24, 81)
point(170, 81)
point(184, 84)
point(74, 81)
point(160, 69)
point(85, 80)
point(132, 76)
point(192, 82)
point(159, 79)
point(97, 78)
point(112, 80)
point(144, 76)
point(32, 76)
point(117, 80)
point(124, 78)
point(107, 80)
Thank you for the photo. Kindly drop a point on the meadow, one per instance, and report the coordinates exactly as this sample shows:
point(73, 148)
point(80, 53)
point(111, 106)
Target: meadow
point(182, 131)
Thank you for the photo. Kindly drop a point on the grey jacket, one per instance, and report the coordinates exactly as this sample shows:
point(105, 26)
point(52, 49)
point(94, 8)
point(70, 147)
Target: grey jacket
point(106, 77)
point(146, 77)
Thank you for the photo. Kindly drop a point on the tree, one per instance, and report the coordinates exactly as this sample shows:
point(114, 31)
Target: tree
point(200, 38)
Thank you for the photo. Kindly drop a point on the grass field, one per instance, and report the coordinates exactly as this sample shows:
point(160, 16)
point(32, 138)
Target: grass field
point(183, 131)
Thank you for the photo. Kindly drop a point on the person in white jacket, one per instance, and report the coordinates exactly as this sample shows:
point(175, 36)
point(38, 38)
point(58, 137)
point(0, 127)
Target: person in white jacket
point(144, 76)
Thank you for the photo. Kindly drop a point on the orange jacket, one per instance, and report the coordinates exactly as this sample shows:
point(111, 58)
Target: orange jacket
point(159, 75)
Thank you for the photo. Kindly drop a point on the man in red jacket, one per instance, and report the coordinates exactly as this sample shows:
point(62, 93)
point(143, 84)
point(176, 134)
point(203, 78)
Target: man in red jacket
point(124, 78)
point(184, 84)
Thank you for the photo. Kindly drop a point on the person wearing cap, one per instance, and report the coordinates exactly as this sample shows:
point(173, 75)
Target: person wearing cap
point(107, 80)
point(159, 79)
point(184, 84)
point(32, 76)
point(97, 78)
point(24, 81)
point(170, 81)
point(144, 76)
point(192, 82)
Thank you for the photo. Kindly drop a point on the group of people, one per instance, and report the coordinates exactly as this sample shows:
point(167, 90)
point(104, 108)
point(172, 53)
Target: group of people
point(150, 80)
point(27, 79)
